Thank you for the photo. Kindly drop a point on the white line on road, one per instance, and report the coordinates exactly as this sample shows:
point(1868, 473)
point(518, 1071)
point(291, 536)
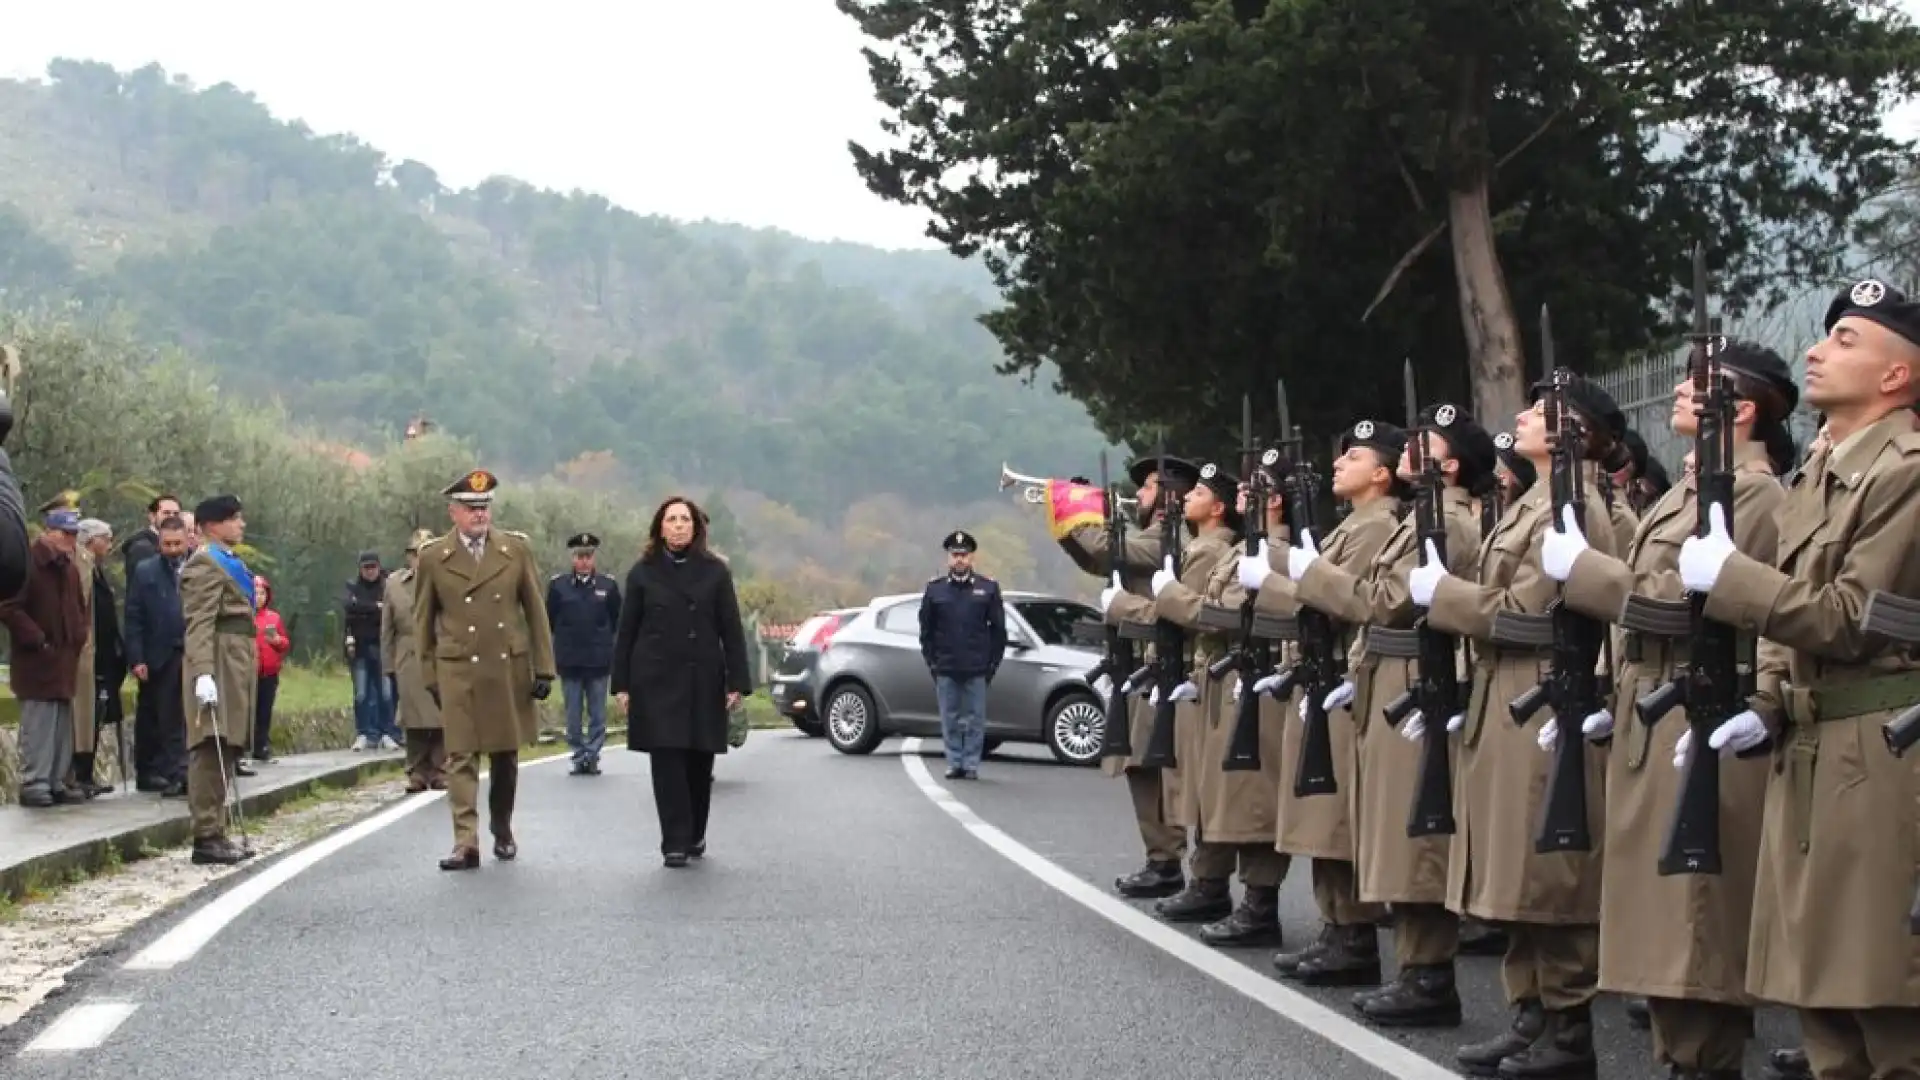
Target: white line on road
point(179, 944)
point(82, 1027)
point(1382, 1053)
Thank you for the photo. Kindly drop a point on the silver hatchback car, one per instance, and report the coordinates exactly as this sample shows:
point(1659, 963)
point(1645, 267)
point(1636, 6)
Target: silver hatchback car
point(871, 682)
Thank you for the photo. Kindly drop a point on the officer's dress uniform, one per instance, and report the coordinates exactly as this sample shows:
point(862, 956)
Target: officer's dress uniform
point(219, 669)
point(487, 658)
point(1840, 838)
point(584, 611)
point(417, 712)
point(963, 638)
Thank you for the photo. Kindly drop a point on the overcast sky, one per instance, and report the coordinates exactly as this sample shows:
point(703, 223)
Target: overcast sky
point(738, 110)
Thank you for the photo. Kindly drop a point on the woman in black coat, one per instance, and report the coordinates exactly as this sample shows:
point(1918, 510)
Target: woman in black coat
point(679, 666)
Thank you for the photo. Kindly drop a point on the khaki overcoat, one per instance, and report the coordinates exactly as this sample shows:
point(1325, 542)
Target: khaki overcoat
point(1393, 868)
point(1690, 930)
point(1493, 872)
point(221, 642)
point(482, 633)
point(400, 653)
point(1840, 839)
point(86, 695)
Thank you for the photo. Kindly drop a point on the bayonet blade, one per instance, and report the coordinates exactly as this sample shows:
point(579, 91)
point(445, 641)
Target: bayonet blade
point(1546, 341)
point(1286, 417)
point(1413, 403)
point(1700, 327)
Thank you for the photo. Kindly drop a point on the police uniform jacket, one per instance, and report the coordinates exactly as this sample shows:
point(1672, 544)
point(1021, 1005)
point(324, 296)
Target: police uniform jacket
point(585, 614)
point(963, 626)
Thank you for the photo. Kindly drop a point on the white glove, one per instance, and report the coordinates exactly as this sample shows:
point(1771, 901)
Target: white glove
point(204, 690)
point(1108, 594)
point(1186, 691)
point(1414, 726)
point(1299, 558)
point(1737, 735)
point(1164, 577)
point(1597, 726)
point(1549, 736)
point(1560, 547)
point(1235, 692)
point(1266, 685)
point(1255, 570)
point(1338, 697)
point(1701, 557)
point(1153, 696)
point(1456, 722)
point(1104, 687)
point(1423, 580)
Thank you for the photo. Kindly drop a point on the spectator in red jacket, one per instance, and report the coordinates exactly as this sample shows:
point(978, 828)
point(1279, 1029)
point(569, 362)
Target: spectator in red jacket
point(272, 643)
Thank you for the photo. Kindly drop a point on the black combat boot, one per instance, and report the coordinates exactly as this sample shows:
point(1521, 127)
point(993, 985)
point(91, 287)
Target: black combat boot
point(1352, 958)
point(1255, 922)
point(1423, 996)
point(83, 776)
point(219, 851)
point(1566, 1050)
point(1787, 1065)
point(1638, 1016)
point(1152, 881)
point(1286, 962)
point(1479, 939)
point(1200, 901)
point(1483, 1058)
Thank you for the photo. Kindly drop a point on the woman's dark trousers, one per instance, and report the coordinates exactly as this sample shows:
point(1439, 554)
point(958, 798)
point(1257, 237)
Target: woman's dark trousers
point(682, 793)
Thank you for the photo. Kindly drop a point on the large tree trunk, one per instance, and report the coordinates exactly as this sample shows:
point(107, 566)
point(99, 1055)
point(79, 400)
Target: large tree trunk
point(1495, 358)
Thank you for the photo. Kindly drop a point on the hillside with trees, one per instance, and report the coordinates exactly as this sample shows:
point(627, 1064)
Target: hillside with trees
point(843, 398)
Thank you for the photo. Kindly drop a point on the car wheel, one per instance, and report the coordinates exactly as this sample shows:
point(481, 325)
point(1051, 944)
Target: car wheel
point(812, 729)
point(1076, 730)
point(853, 724)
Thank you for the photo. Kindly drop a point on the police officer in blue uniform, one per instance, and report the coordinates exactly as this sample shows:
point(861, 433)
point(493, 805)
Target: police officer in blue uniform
point(583, 606)
point(963, 636)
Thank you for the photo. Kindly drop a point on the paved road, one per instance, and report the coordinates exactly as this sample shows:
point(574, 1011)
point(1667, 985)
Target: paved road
point(844, 925)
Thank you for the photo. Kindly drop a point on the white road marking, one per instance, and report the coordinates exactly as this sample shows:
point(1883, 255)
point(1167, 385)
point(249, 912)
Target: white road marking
point(82, 1027)
point(179, 944)
point(1349, 1035)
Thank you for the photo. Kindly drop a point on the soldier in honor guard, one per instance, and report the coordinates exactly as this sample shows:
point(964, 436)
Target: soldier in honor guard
point(963, 638)
point(419, 716)
point(486, 654)
point(1840, 836)
point(1165, 843)
point(1688, 949)
point(1319, 827)
point(218, 670)
point(1391, 868)
point(1550, 902)
point(1208, 512)
point(583, 607)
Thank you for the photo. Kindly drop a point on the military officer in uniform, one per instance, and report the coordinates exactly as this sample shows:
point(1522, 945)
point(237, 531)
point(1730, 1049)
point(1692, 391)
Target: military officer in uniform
point(1165, 842)
point(486, 654)
point(963, 637)
point(583, 607)
point(218, 670)
point(400, 653)
point(1840, 836)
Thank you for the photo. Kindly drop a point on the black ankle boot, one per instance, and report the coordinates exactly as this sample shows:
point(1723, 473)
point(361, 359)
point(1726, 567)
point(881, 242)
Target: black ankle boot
point(1286, 962)
point(1638, 1017)
point(1352, 958)
point(1200, 901)
point(1255, 922)
point(1564, 1051)
point(1484, 1058)
point(1789, 1064)
point(1152, 881)
point(1479, 939)
point(1423, 996)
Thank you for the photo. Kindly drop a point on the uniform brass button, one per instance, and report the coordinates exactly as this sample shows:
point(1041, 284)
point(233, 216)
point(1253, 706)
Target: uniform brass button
point(470, 629)
point(476, 659)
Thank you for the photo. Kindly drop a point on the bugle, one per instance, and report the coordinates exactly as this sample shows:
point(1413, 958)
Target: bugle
point(1033, 489)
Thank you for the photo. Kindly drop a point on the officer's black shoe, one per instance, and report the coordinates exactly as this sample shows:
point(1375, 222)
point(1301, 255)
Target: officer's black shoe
point(1200, 901)
point(1285, 962)
point(1352, 958)
point(1422, 996)
point(1255, 922)
point(579, 769)
point(1484, 1058)
point(1152, 881)
point(175, 790)
point(675, 859)
point(1790, 1064)
point(1479, 939)
point(955, 772)
point(698, 850)
point(219, 851)
point(1565, 1050)
point(1638, 1018)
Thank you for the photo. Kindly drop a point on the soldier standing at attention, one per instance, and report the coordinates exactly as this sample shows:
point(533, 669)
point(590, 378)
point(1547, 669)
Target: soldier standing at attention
point(1165, 843)
point(583, 607)
point(419, 716)
point(1841, 832)
point(217, 671)
point(963, 636)
point(486, 656)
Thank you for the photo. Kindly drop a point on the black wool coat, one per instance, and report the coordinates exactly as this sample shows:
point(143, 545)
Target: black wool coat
point(679, 651)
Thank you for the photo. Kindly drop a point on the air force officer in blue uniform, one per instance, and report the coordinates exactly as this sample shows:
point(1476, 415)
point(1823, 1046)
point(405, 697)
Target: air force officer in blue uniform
point(963, 636)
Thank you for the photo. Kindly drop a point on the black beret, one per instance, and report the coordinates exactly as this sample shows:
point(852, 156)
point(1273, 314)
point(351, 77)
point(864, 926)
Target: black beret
point(1593, 403)
point(216, 509)
point(1879, 302)
point(1383, 438)
point(1520, 467)
point(1472, 445)
point(1763, 365)
point(1636, 451)
point(1226, 487)
point(960, 540)
point(1181, 473)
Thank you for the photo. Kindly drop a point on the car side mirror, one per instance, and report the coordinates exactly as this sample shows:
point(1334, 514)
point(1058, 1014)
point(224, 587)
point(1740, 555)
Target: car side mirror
point(1019, 644)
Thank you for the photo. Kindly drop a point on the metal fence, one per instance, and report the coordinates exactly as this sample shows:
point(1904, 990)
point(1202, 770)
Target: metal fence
point(1644, 391)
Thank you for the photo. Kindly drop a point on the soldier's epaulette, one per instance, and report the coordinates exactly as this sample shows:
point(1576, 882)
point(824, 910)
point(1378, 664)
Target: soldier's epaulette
point(1908, 442)
point(556, 577)
point(516, 535)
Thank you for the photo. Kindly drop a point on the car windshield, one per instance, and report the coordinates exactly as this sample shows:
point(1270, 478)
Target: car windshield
point(1053, 619)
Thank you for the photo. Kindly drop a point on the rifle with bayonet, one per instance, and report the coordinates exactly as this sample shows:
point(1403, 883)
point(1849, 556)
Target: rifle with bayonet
point(1119, 662)
point(1435, 695)
point(1717, 677)
point(1319, 665)
point(1252, 656)
point(1170, 640)
point(1571, 686)
point(1898, 618)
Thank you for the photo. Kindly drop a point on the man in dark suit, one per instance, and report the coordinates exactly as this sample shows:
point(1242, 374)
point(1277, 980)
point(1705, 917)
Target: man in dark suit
point(155, 637)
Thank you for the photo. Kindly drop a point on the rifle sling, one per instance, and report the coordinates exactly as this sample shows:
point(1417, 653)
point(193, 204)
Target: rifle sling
point(1394, 644)
point(1835, 701)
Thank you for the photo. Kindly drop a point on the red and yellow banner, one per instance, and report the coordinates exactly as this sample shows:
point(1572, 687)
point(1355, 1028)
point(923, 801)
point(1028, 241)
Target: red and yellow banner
point(1069, 506)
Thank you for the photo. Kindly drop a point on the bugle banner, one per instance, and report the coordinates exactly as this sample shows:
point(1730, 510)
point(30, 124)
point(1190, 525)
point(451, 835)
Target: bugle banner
point(1071, 505)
